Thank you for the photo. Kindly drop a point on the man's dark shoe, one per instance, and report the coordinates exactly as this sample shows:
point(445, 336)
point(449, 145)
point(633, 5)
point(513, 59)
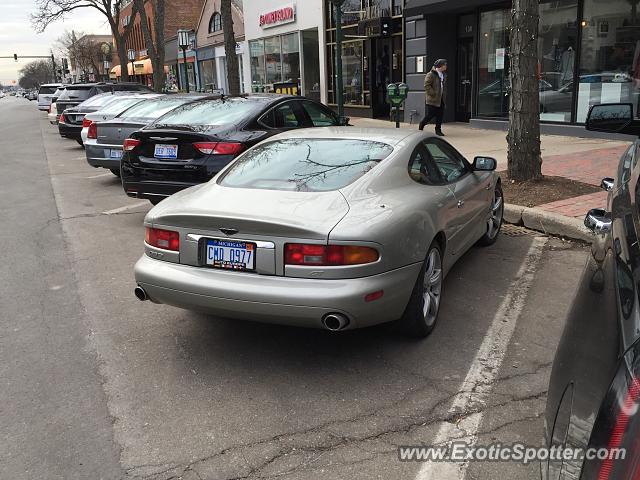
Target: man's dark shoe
point(439, 133)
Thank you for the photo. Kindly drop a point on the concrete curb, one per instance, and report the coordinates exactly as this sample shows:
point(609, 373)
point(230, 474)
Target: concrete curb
point(547, 222)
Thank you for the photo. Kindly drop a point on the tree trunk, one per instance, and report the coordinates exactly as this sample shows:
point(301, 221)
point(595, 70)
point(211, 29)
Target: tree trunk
point(523, 138)
point(122, 55)
point(154, 49)
point(233, 74)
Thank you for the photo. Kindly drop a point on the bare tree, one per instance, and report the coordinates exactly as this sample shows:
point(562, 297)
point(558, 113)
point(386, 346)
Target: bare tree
point(155, 50)
point(35, 73)
point(50, 11)
point(85, 52)
point(233, 73)
point(524, 158)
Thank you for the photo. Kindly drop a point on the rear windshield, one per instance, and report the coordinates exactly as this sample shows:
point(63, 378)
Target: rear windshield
point(74, 93)
point(153, 108)
point(118, 105)
point(306, 165)
point(46, 90)
point(97, 100)
point(210, 112)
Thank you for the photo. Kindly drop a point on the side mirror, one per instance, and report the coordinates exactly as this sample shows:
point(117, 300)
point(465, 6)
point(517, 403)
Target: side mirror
point(485, 164)
point(609, 117)
point(598, 220)
point(607, 184)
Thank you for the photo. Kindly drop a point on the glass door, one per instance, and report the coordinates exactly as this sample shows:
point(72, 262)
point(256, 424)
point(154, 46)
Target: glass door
point(493, 64)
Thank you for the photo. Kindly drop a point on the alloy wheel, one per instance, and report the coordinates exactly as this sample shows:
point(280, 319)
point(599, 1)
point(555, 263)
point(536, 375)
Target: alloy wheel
point(432, 287)
point(495, 219)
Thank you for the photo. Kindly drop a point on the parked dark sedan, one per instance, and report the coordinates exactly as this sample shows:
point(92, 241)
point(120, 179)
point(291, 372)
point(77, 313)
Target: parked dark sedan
point(594, 391)
point(192, 143)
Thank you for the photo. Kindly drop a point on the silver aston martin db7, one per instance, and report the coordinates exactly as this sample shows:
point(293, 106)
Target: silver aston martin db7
point(333, 228)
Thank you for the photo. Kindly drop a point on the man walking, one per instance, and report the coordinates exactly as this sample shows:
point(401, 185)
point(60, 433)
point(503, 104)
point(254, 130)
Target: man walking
point(435, 89)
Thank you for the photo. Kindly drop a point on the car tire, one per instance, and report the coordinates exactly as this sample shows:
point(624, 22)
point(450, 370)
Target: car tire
point(419, 318)
point(115, 171)
point(494, 223)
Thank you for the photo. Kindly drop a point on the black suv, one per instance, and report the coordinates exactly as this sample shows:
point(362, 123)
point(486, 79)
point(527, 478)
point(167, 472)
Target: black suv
point(593, 404)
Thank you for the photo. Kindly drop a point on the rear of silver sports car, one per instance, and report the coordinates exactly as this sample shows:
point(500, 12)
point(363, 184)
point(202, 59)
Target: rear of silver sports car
point(267, 254)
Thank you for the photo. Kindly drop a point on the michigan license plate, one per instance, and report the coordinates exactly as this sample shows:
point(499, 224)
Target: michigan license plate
point(165, 151)
point(116, 154)
point(230, 254)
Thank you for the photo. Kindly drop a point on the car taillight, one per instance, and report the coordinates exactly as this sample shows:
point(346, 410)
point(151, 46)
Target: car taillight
point(86, 122)
point(61, 119)
point(50, 105)
point(93, 129)
point(165, 239)
point(328, 255)
point(218, 148)
point(626, 410)
point(130, 143)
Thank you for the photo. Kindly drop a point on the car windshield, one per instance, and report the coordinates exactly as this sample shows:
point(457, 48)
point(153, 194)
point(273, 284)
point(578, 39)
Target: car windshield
point(209, 112)
point(46, 90)
point(117, 105)
point(75, 93)
point(97, 100)
point(303, 164)
point(153, 108)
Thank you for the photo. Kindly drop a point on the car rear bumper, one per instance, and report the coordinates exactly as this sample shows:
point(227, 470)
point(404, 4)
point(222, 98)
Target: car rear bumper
point(274, 299)
point(99, 156)
point(69, 131)
point(153, 189)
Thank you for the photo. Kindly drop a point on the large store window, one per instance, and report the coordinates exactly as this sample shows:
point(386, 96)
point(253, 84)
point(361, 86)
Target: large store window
point(610, 56)
point(258, 75)
point(274, 60)
point(209, 75)
point(493, 71)
point(557, 46)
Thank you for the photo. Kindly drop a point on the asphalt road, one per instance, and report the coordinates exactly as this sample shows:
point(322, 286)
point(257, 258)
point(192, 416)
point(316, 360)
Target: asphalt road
point(95, 384)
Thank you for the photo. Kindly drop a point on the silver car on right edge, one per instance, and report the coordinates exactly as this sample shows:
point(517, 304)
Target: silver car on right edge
point(333, 228)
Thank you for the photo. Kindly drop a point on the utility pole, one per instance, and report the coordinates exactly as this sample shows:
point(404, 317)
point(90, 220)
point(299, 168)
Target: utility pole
point(338, 82)
point(53, 64)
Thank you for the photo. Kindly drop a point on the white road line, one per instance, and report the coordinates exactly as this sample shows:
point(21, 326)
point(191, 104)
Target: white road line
point(125, 208)
point(479, 381)
point(100, 175)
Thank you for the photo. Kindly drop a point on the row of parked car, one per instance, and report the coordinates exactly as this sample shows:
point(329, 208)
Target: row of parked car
point(292, 217)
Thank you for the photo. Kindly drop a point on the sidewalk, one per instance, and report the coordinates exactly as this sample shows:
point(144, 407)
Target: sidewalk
point(586, 160)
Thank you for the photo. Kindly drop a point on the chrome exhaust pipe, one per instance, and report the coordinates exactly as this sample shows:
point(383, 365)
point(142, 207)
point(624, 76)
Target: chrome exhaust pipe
point(140, 293)
point(335, 321)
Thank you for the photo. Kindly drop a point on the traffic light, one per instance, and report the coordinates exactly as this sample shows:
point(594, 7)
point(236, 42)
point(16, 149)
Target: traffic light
point(15, 57)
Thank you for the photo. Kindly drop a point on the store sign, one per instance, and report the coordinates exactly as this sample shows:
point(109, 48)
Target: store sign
point(280, 16)
point(138, 68)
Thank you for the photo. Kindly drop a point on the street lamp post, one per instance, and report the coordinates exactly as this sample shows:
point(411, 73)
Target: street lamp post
point(338, 83)
point(131, 55)
point(183, 43)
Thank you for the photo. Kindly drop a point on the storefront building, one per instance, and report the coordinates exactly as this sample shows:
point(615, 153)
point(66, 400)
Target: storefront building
point(372, 54)
point(588, 53)
point(212, 60)
point(285, 47)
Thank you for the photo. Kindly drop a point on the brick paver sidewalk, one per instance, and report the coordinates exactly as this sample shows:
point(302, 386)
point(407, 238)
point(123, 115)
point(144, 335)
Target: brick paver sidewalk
point(588, 167)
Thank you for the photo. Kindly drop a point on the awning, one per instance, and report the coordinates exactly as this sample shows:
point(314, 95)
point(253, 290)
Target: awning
point(418, 7)
point(140, 67)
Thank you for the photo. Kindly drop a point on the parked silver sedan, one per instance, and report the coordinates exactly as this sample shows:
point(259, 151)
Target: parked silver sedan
point(104, 146)
point(332, 228)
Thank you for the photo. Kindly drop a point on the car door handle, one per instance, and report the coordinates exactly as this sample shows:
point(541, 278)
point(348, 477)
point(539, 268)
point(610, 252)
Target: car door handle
point(460, 203)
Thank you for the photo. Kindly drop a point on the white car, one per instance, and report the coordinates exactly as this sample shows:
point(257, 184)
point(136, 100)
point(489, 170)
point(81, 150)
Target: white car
point(45, 93)
point(112, 109)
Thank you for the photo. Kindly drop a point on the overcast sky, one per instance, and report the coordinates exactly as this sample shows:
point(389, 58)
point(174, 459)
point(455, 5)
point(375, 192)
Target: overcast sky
point(18, 36)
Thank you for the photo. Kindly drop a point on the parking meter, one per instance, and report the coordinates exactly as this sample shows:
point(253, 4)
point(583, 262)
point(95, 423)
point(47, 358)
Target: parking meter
point(397, 94)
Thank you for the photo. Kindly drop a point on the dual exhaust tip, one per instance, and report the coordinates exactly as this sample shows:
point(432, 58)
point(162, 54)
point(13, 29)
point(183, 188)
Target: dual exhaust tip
point(331, 321)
